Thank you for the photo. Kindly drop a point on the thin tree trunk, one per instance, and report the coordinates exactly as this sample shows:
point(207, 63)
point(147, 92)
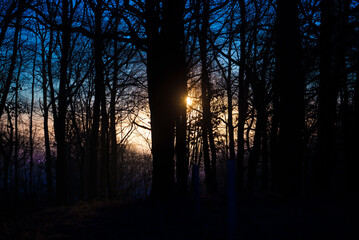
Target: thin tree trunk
point(5, 23)
point(242, 96)
point(232, 154)
point(259, 91)
point(46, 117)
point(256, 150)
point(8, 155)
point(265, 166)
point(112, 167)
point(207, 134)
point(176, 37)
point(260, 105)
point(16, 154)
point(327, 103)
point(181, 145)
point(16, 150)
point(99, 89)
point(9, 77)
point(353, 165)
point(31, 173)
point(61, 189)
point(213, 158)
point(340, 73)
point(104, 160)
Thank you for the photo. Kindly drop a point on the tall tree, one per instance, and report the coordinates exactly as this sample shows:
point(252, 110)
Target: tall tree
point(354, 164)
point(112, 166)
point(99, 91)
point(291, 94)
point(99, 51)
point(229, 86)
point(45, 75)
point(61, 192)
point(165, 74)
point(17, 105)
point(243, 85)
point(207, 129)
point(31, 138)
point(176, 38)
point(327, 101)
point(6, 22)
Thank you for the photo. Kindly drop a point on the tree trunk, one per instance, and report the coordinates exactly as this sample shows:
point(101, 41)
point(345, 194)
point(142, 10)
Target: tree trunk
point(207, 134)
point(104, 160)
point(31, 173)
point(61, 189)
point(176, 38)
point(257, 145)
point(9, 15)
point(164, 76)
point(291, 91)
point(353, 165)
point(265, 164)
point(259, 92)
point(232, 154)
point(9, 77)
point(242, 96)
point(16, 149)
point(112, 167)
point(327, 103)
point(8, 154)
point(46, 116)
point(99, 91)
point(181, 123)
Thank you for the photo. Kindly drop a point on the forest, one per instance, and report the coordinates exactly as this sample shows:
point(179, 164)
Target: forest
point(177, 99)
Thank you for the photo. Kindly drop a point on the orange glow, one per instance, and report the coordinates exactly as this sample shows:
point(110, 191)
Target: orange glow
point(189, 101)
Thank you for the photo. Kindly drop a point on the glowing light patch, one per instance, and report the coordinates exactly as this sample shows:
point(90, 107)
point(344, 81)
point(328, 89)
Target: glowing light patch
point(189, 101)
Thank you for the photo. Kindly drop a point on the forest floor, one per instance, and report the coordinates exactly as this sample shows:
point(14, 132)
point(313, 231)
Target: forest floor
point(258, 218)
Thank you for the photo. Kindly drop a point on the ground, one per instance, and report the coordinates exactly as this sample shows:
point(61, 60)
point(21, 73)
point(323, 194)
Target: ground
point(258, 218)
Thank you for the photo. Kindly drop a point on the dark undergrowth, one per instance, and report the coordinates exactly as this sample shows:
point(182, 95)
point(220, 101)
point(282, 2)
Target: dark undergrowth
point(257, 218)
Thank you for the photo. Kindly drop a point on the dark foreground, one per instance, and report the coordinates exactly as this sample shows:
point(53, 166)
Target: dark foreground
point(258, 218)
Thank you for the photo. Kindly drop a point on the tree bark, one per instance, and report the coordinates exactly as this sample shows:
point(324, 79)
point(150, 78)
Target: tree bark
point(112, 167)
point(8, 153)
point(99, 89)
point(353, 165)
point(31, 169)
point(61, 189)
point(5, 23)
point(291, 93)
point(9, 77)
point(48, 156)
point(242, 96)
point(232, 154)
point(164, 74)
point(327, 103)
point(178, 59)
point(207, 134)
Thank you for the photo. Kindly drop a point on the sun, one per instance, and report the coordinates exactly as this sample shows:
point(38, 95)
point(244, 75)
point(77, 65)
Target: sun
point(189, 101)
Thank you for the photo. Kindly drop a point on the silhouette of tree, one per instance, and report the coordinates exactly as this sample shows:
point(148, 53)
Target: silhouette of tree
point(291, 98)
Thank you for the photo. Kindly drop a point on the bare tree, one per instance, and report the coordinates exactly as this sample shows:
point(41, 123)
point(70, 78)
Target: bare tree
point(291, 93)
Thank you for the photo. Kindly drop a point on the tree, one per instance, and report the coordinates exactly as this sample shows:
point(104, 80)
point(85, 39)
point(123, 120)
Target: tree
point(242, 95)
point(165, 66)
point(207, 130)
point(46, 74)
point(7, 19)
point(61, 194)
point(327, 102)
point(291, 95)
